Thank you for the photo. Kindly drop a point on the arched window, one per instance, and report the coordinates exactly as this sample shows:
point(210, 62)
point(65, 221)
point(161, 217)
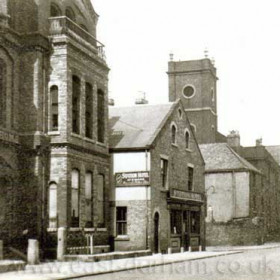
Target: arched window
point(54, 108)
point(89, 197)
point(55, 11)
point(53, 205)
point(70, 14)
point(193, 128)
point(101, 200)
point(76, 93)
point(173, 134)
point(187, 139)
point(2, 93)
point(75, 197)
point(89, 110)
point(100, 116)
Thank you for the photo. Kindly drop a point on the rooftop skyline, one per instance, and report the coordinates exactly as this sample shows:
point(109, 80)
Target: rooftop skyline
point(241, 36)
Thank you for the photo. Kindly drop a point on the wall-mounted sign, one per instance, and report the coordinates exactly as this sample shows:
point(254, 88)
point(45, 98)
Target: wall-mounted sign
point(186, 195)
point(132, 178)
point(9, 137)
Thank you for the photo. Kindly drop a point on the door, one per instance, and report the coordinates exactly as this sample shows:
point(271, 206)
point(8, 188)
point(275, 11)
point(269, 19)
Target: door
point(186, 229)
point(156, 233)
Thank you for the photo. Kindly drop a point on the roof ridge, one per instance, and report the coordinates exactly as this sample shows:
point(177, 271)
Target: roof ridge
point(241, 159)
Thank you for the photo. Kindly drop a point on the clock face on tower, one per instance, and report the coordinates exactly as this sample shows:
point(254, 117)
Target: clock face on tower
point(188, 91)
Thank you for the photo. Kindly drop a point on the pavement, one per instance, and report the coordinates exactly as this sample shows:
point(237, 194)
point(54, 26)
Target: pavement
point(73, 270)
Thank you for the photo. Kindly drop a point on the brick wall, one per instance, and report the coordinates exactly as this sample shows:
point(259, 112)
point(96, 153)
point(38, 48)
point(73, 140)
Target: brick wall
point(240, 232)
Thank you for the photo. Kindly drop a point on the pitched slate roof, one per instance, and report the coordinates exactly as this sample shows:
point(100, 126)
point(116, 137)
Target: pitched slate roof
point(220, 157)
point(137, 126)
point(275, 152)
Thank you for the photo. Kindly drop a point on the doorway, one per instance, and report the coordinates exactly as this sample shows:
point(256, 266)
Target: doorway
point(156, 233)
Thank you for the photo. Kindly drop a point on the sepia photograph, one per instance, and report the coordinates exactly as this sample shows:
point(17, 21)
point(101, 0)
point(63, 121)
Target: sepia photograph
point(138, 139)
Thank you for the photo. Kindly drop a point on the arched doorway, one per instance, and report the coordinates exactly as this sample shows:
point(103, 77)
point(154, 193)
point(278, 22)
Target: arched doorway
point(156, 233)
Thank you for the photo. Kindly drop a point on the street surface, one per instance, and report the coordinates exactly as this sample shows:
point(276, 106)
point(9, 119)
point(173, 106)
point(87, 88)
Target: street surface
point(253, 264)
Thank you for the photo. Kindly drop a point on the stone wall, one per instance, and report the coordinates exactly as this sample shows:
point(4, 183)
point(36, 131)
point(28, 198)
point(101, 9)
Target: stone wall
point(236, 233)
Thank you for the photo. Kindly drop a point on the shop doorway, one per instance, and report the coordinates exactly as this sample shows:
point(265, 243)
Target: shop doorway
point(156, 233)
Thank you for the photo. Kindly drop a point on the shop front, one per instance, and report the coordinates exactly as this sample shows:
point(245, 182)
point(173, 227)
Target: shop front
point(186, 220)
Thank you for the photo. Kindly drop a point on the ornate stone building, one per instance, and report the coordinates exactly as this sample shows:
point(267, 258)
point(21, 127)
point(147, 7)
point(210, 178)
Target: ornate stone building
point(53, 120)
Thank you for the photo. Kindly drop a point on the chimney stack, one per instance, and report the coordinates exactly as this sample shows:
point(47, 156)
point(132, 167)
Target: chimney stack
point(259, 142)
point(141, 98)
point(111, 102)
point(233, 139)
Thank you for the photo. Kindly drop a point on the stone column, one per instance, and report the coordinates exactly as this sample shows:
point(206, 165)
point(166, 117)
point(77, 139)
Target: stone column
point(61, 243)
point(33, 251)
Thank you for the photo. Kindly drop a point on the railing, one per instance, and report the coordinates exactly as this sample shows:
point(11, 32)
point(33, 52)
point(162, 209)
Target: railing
point(186, 195)
point(65, 26)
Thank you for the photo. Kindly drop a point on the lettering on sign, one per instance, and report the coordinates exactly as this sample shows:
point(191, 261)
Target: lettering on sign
point(132, 178)
point(186, 195)
point(9, 137)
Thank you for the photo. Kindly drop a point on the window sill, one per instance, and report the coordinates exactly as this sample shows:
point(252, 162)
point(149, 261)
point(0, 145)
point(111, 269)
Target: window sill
point(163, 190)
point(76, 135)
point(94, 229)
point(101, 144)
point(90, 140)
point(174, 145)
point(188, 150)
point(53, 133)
point(122, 238)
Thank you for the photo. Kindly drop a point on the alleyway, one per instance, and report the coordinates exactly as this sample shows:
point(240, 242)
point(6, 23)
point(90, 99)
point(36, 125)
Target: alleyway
point(255, 264)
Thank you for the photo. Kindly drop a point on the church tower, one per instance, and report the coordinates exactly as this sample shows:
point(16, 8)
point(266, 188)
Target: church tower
point(194, 82)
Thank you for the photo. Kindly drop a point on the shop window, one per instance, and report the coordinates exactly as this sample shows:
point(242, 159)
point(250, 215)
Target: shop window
point(190, 178)
point(175, 222)
point(121, 220)
point(53, 205)
point(75, 197)
point(2, 94)
point(195, 222)
point(89, 110)
point(100, 200)
point(164, 172)
point(173, 134)
point(70, 14)
point(55, 11)
point(89, 198)
point(54, 108)
point(76, 93)
point(100, 116)
point(187, 139)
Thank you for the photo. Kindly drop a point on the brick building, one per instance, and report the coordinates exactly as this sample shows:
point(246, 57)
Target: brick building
point(158, 177)
point(234, 214)
point(268, 199)
point(194, 82)
point(54, 145)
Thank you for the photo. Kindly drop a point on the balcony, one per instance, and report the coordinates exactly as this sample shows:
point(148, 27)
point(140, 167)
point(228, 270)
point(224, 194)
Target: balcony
point(186, 195)
point(65, 26)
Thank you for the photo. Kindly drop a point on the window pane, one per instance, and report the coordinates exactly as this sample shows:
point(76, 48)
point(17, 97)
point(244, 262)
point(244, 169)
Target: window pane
point(89, 110)
point(75, 198)
point(76, 104)
point(100, 199)
point(88, 194)
point(100, 116)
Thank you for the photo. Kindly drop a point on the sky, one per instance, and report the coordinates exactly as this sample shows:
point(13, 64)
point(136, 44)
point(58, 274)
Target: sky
point(242, 36)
